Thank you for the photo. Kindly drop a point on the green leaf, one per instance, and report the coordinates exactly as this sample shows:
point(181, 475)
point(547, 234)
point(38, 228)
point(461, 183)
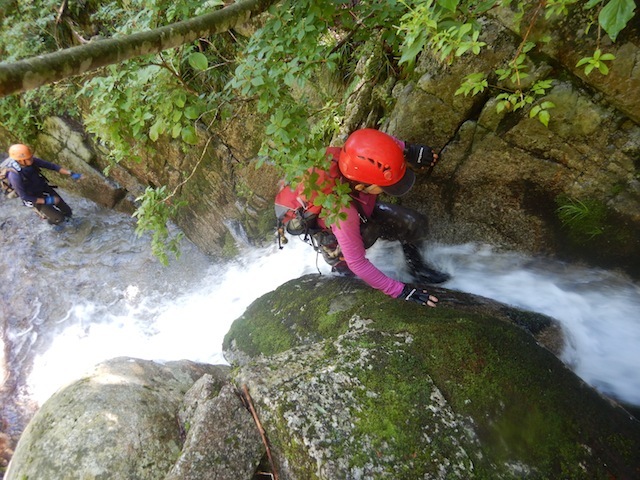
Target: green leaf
point(583, 61)
point(450, 5)
point(192, 112)
point(544, 118)
point(591, 3)
point(461, 49)
point(411, 52)
point(198, 61)
point(615, 15)
point(534, 111)
point(189, 135)
point(180, 99)
point(156, 130)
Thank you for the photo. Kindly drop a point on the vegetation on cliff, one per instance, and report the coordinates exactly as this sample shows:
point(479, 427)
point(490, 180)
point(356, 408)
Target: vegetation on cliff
point(298, 70)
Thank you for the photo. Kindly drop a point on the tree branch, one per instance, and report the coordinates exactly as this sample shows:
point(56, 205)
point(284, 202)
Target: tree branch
point(34, 72)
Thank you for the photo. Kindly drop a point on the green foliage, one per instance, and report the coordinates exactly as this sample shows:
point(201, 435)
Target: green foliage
point(444, 27)
point(584, 219)
point(615, 15)
point(541, 111)
point(596, 61)
point(286, 52)
point(28, 29)
point(473, 84)
point(153, 214)
point(178, 93)
point(281, 66)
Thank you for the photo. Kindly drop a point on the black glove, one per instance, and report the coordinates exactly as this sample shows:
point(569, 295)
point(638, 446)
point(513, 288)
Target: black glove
point(419, 155)
point(417, 294)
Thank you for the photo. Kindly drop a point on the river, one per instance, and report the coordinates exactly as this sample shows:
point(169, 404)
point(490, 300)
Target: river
point(93, 291)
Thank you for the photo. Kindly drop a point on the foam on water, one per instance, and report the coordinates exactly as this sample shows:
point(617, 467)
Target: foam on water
point(162, 326)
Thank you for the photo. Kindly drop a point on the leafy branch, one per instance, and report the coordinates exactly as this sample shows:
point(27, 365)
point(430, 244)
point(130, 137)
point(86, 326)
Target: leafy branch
point(155, 211)
point(613, 17)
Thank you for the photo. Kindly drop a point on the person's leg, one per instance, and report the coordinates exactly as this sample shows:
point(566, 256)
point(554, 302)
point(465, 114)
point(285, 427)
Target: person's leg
point(400, 223)
point(419, 268)
point(61, 205)
point(64, 208)
point(410, 228)
point(51, 213)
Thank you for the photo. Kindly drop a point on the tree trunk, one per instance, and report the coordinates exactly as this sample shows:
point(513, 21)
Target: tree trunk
point(34, 72)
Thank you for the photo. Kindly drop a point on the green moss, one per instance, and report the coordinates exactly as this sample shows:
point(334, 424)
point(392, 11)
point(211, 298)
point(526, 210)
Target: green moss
point(424, 379)
point(287, 318)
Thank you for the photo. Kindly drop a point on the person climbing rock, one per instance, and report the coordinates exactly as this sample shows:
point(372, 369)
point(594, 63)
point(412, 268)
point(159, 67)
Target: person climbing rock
point(32, 187)
point(375, 162)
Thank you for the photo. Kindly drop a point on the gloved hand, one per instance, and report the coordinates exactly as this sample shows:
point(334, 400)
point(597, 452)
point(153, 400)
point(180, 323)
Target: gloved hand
point(75, 176)
point(50, 200)
point(420, 155)
point(417, 294)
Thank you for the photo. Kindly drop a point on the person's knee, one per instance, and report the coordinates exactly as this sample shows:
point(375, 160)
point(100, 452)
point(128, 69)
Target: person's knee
point(55, 219)
point(412, 226)
point(53, 215)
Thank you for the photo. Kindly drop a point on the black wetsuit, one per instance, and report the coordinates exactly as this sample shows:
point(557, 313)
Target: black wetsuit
point(30, 184)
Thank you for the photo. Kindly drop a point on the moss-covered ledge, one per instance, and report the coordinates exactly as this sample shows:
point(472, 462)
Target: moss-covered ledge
point(316, 307)
point(352, 384)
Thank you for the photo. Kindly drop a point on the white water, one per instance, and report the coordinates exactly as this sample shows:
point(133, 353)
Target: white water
point(598, 310)
point(114, 299)
point(165, 327)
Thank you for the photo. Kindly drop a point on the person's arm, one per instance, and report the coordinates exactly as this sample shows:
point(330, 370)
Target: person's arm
point(418, 294)
point(417, 155)
point(420, 156)
point(56, 168)
point(40, 163)
point(348, 235)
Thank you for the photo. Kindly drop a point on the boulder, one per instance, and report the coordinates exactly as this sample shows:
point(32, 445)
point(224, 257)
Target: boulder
point(349, 383)
point(117, 422)
point(332, 379)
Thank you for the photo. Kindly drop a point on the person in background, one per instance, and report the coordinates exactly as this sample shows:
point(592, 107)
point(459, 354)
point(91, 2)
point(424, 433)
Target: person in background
point(32, 187)
point(374, 162)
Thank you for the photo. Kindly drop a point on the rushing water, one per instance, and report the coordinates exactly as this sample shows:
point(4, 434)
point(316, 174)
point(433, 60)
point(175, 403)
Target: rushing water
point(92, 291)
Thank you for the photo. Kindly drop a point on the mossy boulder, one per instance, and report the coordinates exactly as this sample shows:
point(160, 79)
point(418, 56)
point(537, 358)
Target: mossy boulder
point(350, 383)
point(345, 383)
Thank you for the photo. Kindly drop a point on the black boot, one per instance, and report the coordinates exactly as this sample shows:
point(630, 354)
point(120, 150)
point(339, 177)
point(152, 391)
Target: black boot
point(420, 271)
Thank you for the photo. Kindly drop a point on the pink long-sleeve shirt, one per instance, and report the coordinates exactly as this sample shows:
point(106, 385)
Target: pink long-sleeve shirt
point(350, 240)
point(347, 233)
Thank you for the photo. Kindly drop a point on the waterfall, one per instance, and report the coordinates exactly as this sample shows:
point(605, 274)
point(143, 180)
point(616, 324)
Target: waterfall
point(92, 291)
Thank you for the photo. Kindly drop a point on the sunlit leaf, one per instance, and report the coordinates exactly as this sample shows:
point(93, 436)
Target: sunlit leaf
point(198, 61)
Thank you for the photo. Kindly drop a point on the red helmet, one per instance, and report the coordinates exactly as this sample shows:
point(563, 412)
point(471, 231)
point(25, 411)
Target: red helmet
point(373, 157)
point(20, 152)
